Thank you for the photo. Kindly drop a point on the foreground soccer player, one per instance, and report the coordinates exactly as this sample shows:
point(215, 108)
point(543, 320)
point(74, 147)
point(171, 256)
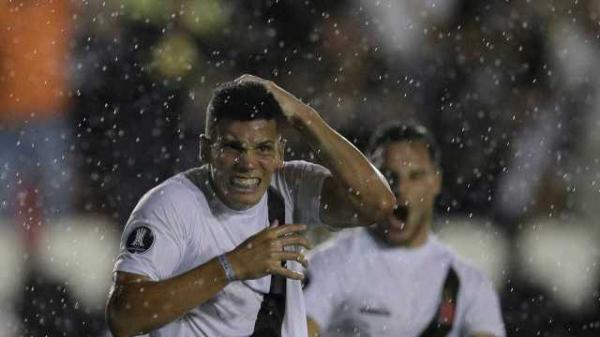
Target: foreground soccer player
point(199, 255)
point(397, 279)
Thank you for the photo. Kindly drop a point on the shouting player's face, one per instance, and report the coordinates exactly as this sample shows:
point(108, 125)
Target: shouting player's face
point(243, 156)
point(416, 182)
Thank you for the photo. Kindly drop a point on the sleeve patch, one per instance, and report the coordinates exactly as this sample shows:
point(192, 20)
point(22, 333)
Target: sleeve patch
point(140, 240)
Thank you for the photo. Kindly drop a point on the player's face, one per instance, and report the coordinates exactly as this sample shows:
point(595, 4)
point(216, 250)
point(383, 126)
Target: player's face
point(243, 156)
point(416, 182)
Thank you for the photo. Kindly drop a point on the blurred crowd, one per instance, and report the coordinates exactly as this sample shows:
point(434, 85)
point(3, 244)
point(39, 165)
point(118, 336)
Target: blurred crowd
point(101, 100)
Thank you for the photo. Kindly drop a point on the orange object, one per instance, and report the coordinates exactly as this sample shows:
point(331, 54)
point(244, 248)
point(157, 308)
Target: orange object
point(34, 49)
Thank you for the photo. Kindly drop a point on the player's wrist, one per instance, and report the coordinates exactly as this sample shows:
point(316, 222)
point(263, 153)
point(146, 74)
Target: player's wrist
point(228, 268)
point(303, 118)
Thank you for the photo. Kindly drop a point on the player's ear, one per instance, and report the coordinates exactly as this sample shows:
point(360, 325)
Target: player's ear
point(204, 153)
point(280, 152)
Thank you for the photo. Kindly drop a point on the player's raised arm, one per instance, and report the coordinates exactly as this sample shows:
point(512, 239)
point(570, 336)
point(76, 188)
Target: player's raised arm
point(356, 193)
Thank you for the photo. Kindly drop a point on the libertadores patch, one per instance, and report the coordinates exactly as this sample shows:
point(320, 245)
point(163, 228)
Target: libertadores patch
point(140, 240)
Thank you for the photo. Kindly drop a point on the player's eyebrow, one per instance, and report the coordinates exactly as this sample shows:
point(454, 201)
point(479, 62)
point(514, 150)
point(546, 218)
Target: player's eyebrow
point(232, 141)
point(266, 142)
point(419, 172)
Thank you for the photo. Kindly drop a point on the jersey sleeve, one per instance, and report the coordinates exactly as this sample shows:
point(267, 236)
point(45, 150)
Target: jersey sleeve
point(327, 286)
point(483, 314)
point(301, 183)
point(153, 239)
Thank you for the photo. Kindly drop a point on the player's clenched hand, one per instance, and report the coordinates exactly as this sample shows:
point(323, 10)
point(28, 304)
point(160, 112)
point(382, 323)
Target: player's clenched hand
point(263, 252)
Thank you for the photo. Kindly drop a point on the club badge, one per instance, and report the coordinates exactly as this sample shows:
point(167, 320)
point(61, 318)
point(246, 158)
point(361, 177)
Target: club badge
point(140, 240)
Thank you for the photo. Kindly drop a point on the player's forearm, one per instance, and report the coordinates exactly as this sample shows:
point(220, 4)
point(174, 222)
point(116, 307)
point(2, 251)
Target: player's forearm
point(368, 190)
point(139, 307)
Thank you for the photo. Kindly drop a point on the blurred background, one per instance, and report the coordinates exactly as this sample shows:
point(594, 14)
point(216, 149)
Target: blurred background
point(102, 100)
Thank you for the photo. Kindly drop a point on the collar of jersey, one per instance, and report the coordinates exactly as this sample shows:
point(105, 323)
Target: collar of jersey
point(431, 241)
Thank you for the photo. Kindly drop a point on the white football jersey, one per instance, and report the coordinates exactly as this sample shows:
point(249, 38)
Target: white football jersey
point(178, 226)
point(359, 286)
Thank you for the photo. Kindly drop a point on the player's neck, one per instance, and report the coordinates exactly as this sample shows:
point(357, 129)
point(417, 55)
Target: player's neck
point(420, 238)
point(422, 234)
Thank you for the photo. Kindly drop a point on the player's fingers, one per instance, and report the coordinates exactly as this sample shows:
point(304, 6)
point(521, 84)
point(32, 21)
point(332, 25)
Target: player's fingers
point(294, 275)
point(290, 256)
point(250, 78)
point(276, 245)
point(289, 228)
point(244, 77)
point(297, 240)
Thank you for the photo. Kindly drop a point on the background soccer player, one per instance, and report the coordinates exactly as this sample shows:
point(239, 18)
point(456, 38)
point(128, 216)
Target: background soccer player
point(397, 279)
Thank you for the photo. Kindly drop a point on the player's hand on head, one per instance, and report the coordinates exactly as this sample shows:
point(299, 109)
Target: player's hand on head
point(262, 253)
point(290, 105)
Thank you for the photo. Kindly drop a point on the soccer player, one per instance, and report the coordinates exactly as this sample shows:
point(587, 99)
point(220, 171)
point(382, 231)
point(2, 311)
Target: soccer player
point(200, 256)
point(396, 278)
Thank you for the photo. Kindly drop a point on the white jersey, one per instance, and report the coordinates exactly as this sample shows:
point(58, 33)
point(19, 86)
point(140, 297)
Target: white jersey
point(178, 226)
point(361, 287)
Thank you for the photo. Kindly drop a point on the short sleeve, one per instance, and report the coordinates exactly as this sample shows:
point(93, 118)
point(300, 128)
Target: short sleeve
point(302, 182)
point(483, 315)
point(153, 241)
point(326, 290)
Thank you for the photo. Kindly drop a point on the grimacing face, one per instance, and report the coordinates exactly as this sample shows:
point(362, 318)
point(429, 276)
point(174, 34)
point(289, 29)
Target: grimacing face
point(416, 182)
point(243, 155)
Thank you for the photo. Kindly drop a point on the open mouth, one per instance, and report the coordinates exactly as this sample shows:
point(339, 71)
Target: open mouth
point(244, 184)
point(401, 213)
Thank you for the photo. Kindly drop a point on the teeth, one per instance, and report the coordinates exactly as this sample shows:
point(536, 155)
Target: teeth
point(245, 182)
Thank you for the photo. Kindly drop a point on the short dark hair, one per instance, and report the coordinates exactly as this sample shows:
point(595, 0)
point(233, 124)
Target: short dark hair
point(241, 102)
point(404, 132)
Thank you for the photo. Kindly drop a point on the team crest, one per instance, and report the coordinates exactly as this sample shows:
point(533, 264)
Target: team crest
point(140, 240)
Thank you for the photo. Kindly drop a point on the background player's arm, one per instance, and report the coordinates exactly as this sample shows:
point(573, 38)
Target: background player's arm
point(314, 329)
point(356, 193)
point(138, 305)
